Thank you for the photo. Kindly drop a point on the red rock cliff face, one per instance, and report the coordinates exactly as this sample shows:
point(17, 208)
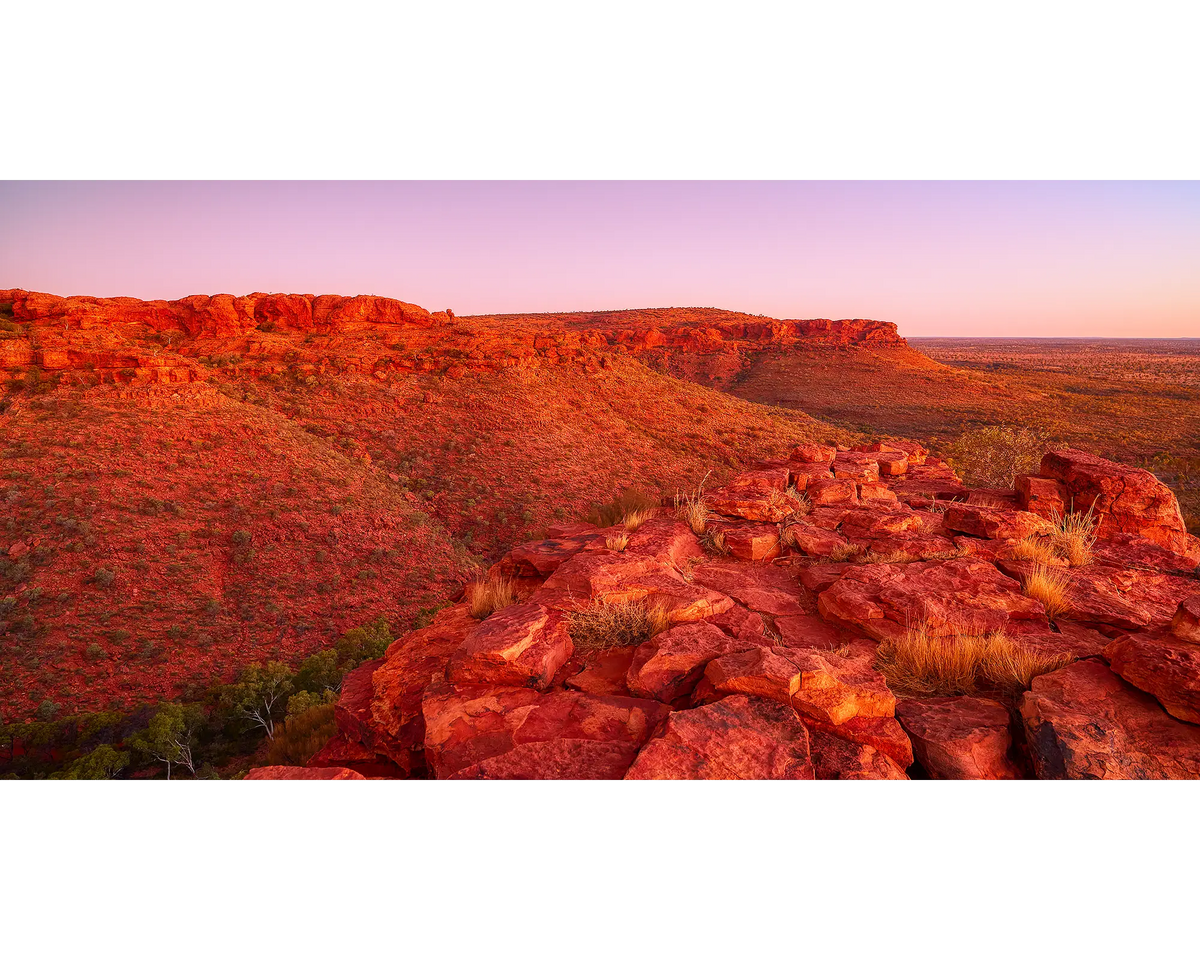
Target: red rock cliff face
point(134, 341)
point(221, 315)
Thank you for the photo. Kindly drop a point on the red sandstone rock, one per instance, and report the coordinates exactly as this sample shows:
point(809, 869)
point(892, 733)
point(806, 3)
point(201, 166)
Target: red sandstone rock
point(960, 738)
point(563, 759)
point(341, 752)
point(915, 453)
point(892, 463)
point(1129, 599)
point(1084, 723)
point(808, 630)
point(393, 723)
point(876, 493)
point(667, 541)
point(760, 587)
point(542, 557)
point(353, 710)
point(994, 523)
point(303, 773)
point(861, 468)
point(819, 577)
point(465, 726)
point(602, 672)
point(1124, 499)
point(1130, 550)
point(1041, 495)
point(757, 495)
point(1075, 640)
point(838, 759)
point(752, 541)
point(669, 665)
point(1163, 665)
point(813, 540)
point(825, 492)
point(1186, 622)
point(817, 683)
point(800, 475)
point(522, 644)
point(608, 577)
point(882, 734)
point(738, 738)
point(884, 599)
point(813, 453)
point(740, 623)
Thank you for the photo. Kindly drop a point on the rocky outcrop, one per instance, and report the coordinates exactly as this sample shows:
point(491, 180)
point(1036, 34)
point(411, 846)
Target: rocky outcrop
point(221, 315)
point(766, 664)
point(1123, 499)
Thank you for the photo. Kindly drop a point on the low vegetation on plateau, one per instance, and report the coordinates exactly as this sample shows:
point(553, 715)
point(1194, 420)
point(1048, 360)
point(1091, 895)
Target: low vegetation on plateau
point(619, 623)
point(993, 456)
point(960, 658)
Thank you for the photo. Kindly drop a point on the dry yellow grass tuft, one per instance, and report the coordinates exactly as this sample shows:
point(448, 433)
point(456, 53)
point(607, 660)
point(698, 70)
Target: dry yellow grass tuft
point(1034, 548)
point(1051, 587)
point(635, 518)
point(617, 541)
point(846, 551)
point(887, 556)
point(1074, 536)
point(790, 500)
point(692, 510)
point(624, 623)
point(487, 595)
point(803, 504)
point(956, 659)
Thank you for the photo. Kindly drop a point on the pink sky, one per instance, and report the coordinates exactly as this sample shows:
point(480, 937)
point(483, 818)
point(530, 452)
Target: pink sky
point(937, 258)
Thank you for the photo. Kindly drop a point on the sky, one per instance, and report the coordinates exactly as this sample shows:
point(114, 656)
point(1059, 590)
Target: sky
point(938, 258)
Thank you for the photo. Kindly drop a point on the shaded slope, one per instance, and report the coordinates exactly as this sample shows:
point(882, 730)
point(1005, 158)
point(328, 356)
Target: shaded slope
point(255, 481)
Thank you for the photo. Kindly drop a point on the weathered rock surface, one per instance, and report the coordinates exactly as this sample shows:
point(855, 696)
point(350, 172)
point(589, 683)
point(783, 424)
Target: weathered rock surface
point(994, 523)
point(820, 684)
point(522, 644)
point(465, 726)
point(669, 666)
point(883, 600)
point(737, 738)
point(1162, 664)
point(960, 738)
point(1084, 723)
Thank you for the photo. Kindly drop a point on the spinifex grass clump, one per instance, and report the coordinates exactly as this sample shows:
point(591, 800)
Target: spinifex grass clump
point(622, 623)
point(1074, 536)
point(791, 500)
point(635, 518)
point(1035, 548)
point(957, 658)
point(1051, 587)
point(691, 509)
point(486, 595)
point(617, 541)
